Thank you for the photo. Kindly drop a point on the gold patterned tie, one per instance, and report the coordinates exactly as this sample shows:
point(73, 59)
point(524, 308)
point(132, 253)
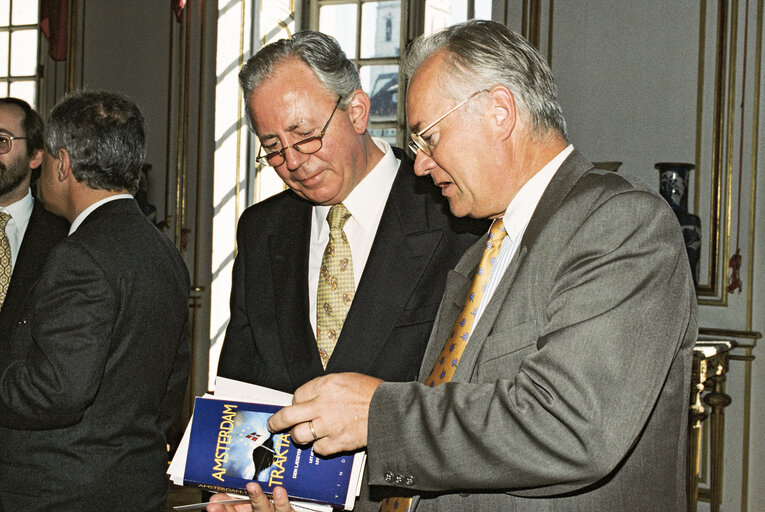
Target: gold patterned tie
point(446, 364)
point(336, 284)
point(6, 263)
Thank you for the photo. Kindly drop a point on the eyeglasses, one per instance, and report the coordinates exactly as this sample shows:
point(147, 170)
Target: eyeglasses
point(419, 143)
point(6, 143)
point(306, 146)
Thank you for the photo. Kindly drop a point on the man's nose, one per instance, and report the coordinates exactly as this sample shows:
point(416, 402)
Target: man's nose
point(423, 163)
point(294, 158)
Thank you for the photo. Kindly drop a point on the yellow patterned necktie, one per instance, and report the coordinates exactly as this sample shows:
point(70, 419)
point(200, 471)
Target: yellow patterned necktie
point(336, 284)
point(6, 263)
point(446, 364)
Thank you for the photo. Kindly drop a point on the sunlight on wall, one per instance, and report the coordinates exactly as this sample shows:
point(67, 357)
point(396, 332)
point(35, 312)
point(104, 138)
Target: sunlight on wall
point(237, 182)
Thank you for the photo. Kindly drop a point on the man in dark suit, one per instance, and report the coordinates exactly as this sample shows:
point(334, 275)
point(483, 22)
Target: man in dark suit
point(557, 374)
point(98, 364)
point(31, 230)
point(305, 102)
point(401, 236)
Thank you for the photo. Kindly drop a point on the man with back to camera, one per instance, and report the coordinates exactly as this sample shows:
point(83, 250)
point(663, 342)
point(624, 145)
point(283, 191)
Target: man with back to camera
point(557, 374)
point(30, 231)
point(384, 263)
point(98, 364)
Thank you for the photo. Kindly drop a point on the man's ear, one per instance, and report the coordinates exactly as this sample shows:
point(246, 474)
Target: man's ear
point(37, 158)
point(358, 111)
point(502, 112)
point(64, 165)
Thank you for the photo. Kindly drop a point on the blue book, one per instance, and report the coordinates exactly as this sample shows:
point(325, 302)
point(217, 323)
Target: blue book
point(230, 446)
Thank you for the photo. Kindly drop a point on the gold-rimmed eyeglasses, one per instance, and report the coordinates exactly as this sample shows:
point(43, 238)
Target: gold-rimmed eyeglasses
point(6, 143)
point(419, 143)
point(305, 146)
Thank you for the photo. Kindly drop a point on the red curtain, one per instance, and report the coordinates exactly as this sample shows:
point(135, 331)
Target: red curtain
point(54, 22)
point(178, 6)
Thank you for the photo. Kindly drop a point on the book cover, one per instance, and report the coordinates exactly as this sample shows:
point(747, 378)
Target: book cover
point(230, 445)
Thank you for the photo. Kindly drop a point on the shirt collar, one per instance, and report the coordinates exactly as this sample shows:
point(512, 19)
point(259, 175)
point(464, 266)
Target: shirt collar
point(87, 211)
point(21, 209)
point(521, 208)
point(368, 198)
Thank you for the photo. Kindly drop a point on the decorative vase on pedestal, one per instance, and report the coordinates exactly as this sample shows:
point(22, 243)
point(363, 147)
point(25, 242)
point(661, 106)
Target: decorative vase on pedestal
point(673, 186)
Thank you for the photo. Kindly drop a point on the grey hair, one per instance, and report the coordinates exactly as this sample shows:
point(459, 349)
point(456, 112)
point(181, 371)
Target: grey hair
point(320, 52)
point(104, 134)
point(481, 54)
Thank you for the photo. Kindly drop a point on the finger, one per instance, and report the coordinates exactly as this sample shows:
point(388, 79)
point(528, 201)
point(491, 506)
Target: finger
point(258, 500)
point(212, 507)
point(281, 502)
point(303, 434)
point(290, 416)
point(307, 391)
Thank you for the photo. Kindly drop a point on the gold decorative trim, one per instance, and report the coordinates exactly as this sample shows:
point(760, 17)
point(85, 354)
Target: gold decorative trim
point(755, 148)
point(169, 137)
point(711, 288)
point(240, 101)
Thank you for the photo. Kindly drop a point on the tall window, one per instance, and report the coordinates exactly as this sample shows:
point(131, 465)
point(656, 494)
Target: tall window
point(372, 33)
point(18, 49)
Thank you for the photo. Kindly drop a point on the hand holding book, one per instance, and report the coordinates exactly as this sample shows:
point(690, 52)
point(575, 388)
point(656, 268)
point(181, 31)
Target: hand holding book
point(337, 405)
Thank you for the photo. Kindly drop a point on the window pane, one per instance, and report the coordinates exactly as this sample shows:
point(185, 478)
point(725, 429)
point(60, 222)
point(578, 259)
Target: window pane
point(381, 83)
point(3, 89)
point(24, 12)
point(5, 12)
point(339, 21)
point(380, 28)
point(23, 52)
point(3, 53)
point(388, 134)
point(24, 89)
point(442, 13)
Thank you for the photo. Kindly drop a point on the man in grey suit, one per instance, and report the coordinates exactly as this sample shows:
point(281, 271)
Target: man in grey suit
point(571, 392)
point(98, 363)
point(30, 231)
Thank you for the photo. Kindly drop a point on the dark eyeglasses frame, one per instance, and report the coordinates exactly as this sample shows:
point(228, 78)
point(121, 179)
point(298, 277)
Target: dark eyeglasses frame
point(266, 159)
point(10, 138)
point(418, 143)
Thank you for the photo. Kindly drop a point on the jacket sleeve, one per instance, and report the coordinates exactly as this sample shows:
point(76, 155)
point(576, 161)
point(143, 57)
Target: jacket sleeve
point(568, 405)
point(60, 347)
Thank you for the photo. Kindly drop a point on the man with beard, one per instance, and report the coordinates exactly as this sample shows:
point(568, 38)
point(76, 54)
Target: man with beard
point(27, 230)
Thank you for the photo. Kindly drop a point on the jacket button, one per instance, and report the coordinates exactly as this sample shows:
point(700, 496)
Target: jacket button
point(409, 480)
point(399, 479)
point(388, 477)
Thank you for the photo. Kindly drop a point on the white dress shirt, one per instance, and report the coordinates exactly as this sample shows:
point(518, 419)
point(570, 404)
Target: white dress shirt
point(366, 203)
point(87, 211)
point(20, 212)
point(517, 217)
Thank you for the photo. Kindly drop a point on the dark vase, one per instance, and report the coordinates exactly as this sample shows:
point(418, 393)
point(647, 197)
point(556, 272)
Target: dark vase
point(673, 186)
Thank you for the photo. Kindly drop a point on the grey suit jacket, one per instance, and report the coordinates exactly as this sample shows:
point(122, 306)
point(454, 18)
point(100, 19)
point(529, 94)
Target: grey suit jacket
point(572, 392)
point(97, 371)
point(43, 232)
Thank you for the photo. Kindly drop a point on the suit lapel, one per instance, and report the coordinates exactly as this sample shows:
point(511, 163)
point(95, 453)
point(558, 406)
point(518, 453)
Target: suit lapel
point(402, 248)
point(458, 283)
point(288, 257)
point(44, 230)
point(572, 169)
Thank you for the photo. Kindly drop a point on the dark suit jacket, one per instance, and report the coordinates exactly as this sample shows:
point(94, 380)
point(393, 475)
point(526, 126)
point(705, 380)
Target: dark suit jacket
point(97, 371)
point(572, 392)
point(269, 340)
point(43, 232)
